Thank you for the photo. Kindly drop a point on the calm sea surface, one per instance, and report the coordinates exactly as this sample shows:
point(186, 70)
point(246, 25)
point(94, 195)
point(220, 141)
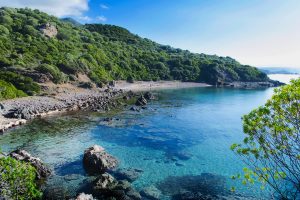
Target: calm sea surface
point(179, 141)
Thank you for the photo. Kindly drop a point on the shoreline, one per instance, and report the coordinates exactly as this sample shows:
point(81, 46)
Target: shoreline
point(66, 97)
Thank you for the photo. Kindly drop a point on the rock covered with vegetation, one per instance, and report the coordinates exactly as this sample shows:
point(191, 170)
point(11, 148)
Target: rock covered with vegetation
point(18, 179)
point(42, 171)
point(36, 47)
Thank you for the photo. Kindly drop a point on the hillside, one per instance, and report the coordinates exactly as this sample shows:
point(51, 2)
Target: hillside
point(36, 47)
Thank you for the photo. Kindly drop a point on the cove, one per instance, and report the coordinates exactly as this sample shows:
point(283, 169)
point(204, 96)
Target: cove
point(181, 141)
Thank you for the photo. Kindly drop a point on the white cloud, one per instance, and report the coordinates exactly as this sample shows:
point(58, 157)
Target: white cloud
point(103, 6)
point(58, 8)
point(101, 18)
point(85, 18)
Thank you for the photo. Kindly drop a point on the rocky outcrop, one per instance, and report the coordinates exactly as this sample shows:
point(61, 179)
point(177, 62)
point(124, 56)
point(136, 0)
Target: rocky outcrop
point(96, 160)
point(17, 111)
point(141, 101)
point(144, 99)
point(49, 30)
point(42, 171)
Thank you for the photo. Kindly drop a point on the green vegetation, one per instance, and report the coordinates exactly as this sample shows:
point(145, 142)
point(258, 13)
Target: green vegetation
point(8, 91)
point(271, 147)
point(103, 52)
point(17, 180)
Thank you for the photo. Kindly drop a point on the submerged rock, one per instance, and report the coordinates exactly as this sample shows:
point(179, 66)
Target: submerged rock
point(194, 187)
point(129, 174)
point(151, 193)
point(107, 187)
point(136, 109)
point(96, 160)
point(41, 170)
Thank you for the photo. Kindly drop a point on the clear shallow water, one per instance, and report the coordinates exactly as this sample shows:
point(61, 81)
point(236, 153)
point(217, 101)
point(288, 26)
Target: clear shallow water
point(185, 133)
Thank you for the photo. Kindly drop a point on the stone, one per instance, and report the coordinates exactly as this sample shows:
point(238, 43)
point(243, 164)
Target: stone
point(96, 160)
point(141, 101)
point(84, 196)
point(151, 193)
point(149, 96)
point(41, 170)
point(105, 182)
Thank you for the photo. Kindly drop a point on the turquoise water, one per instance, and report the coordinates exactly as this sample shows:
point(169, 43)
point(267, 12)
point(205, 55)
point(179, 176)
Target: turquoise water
point(185, 133)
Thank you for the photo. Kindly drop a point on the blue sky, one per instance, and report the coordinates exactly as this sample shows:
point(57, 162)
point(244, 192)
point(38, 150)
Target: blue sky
point(256, 32)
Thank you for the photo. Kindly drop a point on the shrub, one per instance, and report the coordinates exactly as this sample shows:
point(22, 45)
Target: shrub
point(8, 91)
point(57, 76)
point(21, 82)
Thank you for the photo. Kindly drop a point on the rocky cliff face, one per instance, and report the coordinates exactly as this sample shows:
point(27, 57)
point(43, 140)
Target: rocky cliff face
point(49, 30)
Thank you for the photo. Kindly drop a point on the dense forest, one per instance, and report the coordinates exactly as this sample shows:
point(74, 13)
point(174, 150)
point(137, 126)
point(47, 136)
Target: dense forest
point(37, 47)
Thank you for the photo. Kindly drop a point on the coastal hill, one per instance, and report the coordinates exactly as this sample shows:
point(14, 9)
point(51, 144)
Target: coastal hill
point(36, 48)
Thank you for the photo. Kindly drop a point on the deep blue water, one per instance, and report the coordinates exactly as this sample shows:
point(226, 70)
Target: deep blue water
point(183, 134)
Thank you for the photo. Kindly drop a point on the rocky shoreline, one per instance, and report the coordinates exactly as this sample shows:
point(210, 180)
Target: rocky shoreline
point(17, 111)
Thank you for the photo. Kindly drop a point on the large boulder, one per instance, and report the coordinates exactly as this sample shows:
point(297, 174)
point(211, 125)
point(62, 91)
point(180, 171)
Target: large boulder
point(96, 160)
point(42, 171)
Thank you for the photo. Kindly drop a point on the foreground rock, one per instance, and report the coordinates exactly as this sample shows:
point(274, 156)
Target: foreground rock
point(41, 170)
point(96, 160)
point(83, 196)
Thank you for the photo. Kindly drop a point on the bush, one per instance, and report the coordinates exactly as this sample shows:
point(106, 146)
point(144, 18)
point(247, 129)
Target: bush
point(8, 91)
point(21, 82)
point(17, 180)
point(57, 76)
point(130, 79)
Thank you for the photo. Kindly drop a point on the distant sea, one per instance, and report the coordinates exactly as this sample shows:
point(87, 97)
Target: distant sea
point(285, 78)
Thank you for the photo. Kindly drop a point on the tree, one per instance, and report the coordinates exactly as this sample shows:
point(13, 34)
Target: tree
point(271, 148)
